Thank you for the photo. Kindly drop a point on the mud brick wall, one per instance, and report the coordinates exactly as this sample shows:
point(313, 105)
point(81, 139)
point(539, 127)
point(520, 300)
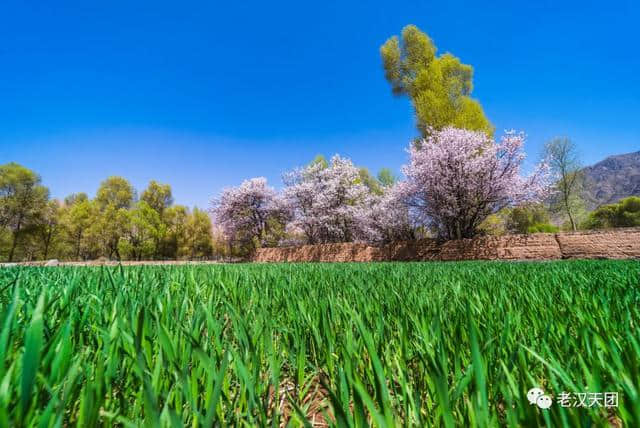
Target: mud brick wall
point(609, 244)
point(613, 244)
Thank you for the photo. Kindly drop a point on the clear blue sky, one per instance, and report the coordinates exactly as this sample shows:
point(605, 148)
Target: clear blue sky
point(203, 95)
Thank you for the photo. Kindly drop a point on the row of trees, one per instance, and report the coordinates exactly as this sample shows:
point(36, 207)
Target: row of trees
point(455, 179)
point(116, 224)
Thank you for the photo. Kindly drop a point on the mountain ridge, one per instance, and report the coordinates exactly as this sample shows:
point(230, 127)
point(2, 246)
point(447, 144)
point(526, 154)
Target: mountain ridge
point(611, 179)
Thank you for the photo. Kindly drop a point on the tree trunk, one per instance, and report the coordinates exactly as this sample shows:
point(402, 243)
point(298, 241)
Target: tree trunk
point(573, 223)
point(47, 242)
point(46, 250)
point(15, 239)
point(78, 246)
point(13, 246)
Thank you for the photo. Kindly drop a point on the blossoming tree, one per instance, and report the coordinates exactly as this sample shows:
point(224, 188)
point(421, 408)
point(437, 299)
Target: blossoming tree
point(387, 218)
point(456, 178)
point(251, 213)
point(328, 201)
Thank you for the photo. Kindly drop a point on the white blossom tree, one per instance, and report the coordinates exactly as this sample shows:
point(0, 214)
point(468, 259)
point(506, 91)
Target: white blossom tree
point(328, 201)
point(456, 178)
point(251, 213)
point(387, 217)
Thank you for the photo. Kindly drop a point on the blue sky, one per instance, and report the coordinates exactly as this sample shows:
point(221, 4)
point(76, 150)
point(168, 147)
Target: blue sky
point(204, 94)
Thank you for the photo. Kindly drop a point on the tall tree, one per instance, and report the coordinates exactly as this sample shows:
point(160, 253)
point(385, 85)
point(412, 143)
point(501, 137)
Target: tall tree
point(116, 192)
point(370, 181)
point(109, 227)
point(175, 218)
point(145, 233)
point(114, 198)
point(22, 200)
point(327, 203)
point(79, 214)
point(457, 178)
point(439, 87)
point(158, 196)
point(199, 235)
point(564, 161)
point(49, 226)
point(250, 214)
point(386, 177)
point(75, 198)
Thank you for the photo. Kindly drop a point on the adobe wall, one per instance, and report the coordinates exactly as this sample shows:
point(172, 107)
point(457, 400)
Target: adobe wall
point(610, 244)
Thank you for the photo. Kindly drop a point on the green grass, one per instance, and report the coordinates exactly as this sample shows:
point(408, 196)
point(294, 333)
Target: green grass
point(414, 344)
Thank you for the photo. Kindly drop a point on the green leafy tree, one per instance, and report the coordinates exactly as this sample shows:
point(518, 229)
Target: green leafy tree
point(111, 224)
point(115, 192)
point(320, 159)
point(113, 200)
point(370, 181)
point(175, 239)
point(386, 178)
point(158, 196)
point(49, 227)
point(624, 213)
point(529, 218)
point(439, 87)
point(77, 218)
point(22, 200)
point(145, 233)
point(564, 161)
point(75, 198)
point(198, 230)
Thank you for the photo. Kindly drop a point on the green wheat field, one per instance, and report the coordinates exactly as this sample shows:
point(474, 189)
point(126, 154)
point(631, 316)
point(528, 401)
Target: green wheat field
point(382, 344)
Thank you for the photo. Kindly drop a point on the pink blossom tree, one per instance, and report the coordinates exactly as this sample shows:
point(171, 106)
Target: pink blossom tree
point(250, 214)
point(456, 178)
point(387, 217)
point(328, 201)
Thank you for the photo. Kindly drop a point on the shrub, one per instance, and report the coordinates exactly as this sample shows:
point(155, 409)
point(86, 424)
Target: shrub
point(624, 213)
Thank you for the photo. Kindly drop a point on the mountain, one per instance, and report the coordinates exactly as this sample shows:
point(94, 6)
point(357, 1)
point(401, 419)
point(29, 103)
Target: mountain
point(612, 179)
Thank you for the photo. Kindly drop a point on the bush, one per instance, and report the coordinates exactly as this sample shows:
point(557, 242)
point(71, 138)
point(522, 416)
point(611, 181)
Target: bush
point(542, 228)
point(529, 218)
point(624, 213)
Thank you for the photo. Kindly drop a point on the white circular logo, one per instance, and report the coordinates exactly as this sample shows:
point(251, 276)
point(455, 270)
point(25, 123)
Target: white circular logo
point(533, 395)
point(544, 401)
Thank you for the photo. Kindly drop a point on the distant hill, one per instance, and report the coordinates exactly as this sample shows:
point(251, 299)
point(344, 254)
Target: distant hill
point(612, 179)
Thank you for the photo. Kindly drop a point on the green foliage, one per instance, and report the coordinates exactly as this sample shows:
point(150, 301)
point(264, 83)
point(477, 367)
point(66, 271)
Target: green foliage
point(542, 228)
point(22, 201)
point(495, 224)
point(75, 198)
point(522, 219)
point(112, 225)
point(439, 87)
point(564, 162)
point(144, 235)
point(380, 344)
point(157, 196)
point(624, 213)
point(530, 218)
point(320, 159)
point(115, 192)
point(77, 218)
point(386, 177)
point(370, 181)
point(198, 235)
